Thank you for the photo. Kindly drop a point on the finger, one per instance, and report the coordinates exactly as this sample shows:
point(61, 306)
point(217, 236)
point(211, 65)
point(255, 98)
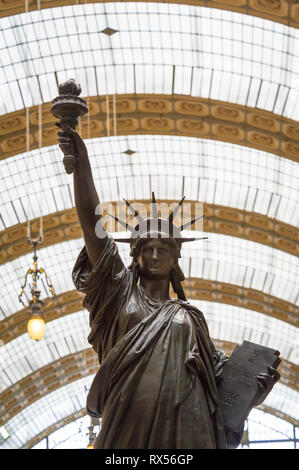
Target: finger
point(73, 133)
point(272, 370)
point(64, 140)
point(65, 148)
point(70, 130)
point(65, 144)
point(61, 133)
point(262, 382)
point(274, 373)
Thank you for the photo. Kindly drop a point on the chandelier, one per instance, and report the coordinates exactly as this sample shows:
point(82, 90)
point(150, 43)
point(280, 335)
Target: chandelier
point(36, 323)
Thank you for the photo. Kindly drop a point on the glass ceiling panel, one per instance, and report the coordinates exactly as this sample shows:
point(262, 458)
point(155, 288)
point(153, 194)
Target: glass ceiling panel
point(35, 182)
point(158, 48)
point(221, 257)
point(63, 336)
point(22, 356)
point(45, 412)
point(74, 435)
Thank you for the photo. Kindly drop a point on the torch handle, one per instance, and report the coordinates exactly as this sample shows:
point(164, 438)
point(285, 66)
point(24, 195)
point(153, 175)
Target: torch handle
point(69, 160)
point(69, 163)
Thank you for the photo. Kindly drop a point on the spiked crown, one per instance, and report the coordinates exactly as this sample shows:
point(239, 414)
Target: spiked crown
point(156, 227)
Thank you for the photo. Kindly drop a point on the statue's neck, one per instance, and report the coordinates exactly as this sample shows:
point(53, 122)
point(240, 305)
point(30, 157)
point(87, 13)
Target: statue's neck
point(156, 289)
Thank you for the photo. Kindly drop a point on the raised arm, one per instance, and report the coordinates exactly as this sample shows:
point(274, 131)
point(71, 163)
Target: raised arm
point(86, 197)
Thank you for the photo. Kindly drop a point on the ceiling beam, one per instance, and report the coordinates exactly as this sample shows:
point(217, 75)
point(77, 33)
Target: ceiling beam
point(195, 288)
point(281, 11)
point(157, 114)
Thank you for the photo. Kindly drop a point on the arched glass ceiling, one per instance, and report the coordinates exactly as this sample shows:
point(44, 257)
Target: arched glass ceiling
point(71, 398)
point(35, 182)
point(46, 412)
point(75, 435)
point(159, 48)
point(22, 356)
point(221, 257)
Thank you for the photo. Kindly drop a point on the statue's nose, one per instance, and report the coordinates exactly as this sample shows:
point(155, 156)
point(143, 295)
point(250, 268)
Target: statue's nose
point(155, 253)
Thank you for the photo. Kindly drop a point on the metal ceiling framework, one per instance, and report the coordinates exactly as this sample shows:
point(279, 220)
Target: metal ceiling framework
point(274, 273)
point(201, 289)
point(188, 100)
point(157, 48)
point(31, 128)
point(280, 11)
point(248, 179)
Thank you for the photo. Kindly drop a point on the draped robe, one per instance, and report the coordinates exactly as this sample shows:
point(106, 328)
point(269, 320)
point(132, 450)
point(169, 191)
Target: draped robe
point(156, 385)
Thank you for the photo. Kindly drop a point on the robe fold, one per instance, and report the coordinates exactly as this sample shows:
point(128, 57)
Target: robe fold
point(156, 385)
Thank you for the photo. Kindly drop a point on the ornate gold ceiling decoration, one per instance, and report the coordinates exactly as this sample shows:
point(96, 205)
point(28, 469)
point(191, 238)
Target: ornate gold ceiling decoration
point(157, 114)
point(45, 380)
point(278, 414)
point(281, 11)
point(195, 288)
point(82, 364)
point(64, 226)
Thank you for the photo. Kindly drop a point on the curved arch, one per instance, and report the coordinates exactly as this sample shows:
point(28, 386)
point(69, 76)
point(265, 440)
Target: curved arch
point(280, 11)
point(195, 288)
point(55, 406)
point(45, 380)
point(221, 258)
point(64, 225)
point(213, 172)
point(54, 427)
point(157, 114)
point(68, 334)
point(81, 364)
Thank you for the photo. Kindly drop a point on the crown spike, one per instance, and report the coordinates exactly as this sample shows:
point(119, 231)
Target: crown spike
point(175, 211)
point(124, 224)
point(188, 224)
point(183, 240)
point(134, 211)
point(154, 206)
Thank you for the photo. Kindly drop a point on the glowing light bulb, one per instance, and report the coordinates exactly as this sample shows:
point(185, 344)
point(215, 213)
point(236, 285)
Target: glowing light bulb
point(36, 327)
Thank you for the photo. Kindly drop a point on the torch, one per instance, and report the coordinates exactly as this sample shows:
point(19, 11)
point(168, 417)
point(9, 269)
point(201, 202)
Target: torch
point(68, 107)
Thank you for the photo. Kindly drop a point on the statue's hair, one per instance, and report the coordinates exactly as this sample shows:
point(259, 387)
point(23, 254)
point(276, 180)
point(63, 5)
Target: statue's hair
point(176, 276)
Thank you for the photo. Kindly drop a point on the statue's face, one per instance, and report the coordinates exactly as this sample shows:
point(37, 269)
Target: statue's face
point(155, 259)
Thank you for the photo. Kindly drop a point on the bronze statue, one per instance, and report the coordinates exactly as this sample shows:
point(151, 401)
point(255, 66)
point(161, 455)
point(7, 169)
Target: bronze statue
point(156, 387)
